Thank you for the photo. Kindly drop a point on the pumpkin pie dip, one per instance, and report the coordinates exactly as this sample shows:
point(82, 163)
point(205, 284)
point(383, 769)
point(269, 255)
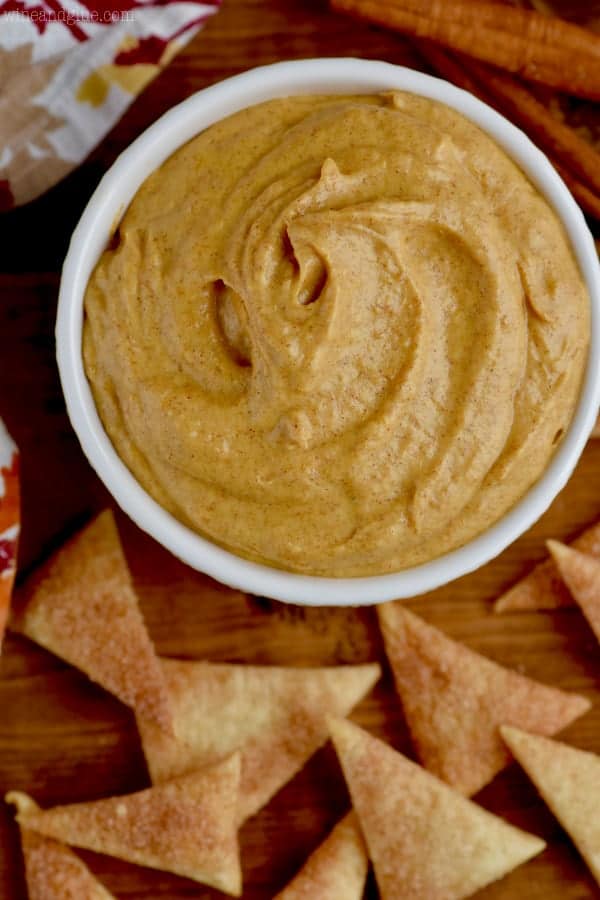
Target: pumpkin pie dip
point(339, 335)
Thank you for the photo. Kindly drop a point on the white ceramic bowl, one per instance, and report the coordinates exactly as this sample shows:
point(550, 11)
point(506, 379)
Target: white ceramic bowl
point(111, 198)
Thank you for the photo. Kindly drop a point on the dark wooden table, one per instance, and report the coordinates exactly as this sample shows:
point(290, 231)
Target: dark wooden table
point(64, 740)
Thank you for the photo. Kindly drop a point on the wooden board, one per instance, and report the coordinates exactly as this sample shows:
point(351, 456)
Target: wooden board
point(64, 739)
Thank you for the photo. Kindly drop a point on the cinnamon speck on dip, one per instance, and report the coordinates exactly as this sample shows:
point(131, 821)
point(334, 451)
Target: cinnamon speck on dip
point(340, 335)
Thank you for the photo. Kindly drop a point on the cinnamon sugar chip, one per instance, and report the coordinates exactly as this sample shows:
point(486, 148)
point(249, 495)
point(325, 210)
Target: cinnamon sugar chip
point(275, 716)
point(426, 841)
point(581, 574)
point(336, 869)
point(52, 870)
point(569, 782)
point(81, 606)
point(543, 588)
point(186, 826)
point(455, 700)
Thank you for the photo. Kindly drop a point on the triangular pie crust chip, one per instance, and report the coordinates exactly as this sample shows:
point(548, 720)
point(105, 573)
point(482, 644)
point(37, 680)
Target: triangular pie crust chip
point(187, 826)
point(543, 588)
point(276, 716)
point(426, 841)
point(569, 782)
point(336, 870)
point(581, 574)
point(52, 870)
point(455, 700)
point(82, 607)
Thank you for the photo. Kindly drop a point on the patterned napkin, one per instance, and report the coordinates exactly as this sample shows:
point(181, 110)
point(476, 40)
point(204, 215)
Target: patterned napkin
point(68, 71)
point(9, 520)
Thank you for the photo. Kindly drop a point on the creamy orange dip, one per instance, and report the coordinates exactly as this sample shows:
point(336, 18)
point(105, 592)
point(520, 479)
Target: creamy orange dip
point(340, 335)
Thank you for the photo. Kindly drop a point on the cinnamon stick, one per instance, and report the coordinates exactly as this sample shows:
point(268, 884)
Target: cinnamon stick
point(564, 147)
point(587, 199)
point(555, 136)
point(451, 68)
point(536, 46)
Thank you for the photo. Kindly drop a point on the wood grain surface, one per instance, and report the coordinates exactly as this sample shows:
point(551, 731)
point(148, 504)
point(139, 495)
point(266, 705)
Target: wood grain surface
point(65, 740)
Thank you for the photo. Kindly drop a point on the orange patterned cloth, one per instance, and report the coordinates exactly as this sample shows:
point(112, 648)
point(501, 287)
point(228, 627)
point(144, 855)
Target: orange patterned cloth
point(68, 71)
point(9, 521)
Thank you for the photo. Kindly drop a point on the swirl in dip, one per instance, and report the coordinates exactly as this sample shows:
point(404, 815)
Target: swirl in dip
point(340, 335)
